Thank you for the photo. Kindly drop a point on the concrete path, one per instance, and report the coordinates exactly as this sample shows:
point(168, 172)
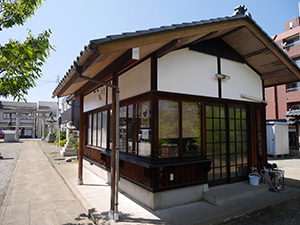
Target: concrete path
point(95, 196)
point(37, 194)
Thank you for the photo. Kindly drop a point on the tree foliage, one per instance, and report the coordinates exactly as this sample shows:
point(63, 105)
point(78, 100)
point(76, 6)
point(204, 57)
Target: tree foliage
point(21, 62)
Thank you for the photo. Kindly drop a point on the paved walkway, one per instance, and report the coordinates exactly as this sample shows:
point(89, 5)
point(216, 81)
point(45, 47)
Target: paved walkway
point(37, 194)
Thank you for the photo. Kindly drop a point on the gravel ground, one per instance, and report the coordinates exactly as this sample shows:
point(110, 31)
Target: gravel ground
point(284, 213)
point(53, 153)
point(10, 153)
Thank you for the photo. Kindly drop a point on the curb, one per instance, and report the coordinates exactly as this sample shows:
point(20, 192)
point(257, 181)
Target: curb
point(94, 215)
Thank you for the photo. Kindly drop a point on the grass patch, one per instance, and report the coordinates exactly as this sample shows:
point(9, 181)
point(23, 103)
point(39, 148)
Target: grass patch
point(53, 153)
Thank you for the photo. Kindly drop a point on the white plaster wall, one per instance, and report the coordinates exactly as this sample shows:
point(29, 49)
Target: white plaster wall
point(135, 81)
point(93, 101)
point(188, 72)
point(243, 80)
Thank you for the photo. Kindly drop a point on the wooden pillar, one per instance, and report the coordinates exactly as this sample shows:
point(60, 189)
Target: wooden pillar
point(113, 150)
point(81, 142)
point(297, 132)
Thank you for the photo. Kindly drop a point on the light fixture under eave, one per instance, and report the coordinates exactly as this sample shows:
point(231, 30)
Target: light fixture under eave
point(222, 76)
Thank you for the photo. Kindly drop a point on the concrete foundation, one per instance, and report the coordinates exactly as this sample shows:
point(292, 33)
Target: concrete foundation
point(157, 200)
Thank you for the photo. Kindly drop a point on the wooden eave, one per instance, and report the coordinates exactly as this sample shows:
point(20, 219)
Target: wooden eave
point(242, 34)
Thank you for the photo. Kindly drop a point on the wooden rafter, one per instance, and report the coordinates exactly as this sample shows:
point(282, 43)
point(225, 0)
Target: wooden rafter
point(275, 74)
point(204, 37)
point(255, 53)
point(171, 46)
point(120, 63)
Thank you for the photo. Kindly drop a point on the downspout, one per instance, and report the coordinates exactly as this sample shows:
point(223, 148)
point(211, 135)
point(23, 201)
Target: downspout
point(78, 70)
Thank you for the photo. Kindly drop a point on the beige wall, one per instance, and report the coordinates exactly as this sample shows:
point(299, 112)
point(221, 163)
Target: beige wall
point(135, 81)
point(243, 80)
point(188, 72)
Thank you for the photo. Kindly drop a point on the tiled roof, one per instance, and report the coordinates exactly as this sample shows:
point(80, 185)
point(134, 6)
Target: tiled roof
point(292, 113)
point(19, 106)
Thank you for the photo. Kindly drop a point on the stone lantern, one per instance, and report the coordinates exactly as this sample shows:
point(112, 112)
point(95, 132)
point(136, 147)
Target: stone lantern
point(51, 136)
point(67, 150)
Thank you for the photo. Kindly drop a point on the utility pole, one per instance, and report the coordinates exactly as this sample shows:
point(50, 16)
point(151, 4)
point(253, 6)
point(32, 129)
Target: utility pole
point(57, 131)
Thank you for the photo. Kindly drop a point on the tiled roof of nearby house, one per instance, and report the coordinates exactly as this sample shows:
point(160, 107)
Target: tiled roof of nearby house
point(293, 113)
point(11, 105)
point(255, 52)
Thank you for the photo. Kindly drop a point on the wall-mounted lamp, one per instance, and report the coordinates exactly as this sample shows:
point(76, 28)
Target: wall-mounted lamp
point(222, 76)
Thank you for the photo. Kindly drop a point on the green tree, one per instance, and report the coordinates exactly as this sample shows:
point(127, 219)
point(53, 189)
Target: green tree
point(21, 62)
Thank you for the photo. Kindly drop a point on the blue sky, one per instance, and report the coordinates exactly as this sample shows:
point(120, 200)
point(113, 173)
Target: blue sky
point(75, 22)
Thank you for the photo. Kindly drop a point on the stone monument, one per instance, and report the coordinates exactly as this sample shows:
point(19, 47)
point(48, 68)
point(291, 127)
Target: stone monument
point(67, 150)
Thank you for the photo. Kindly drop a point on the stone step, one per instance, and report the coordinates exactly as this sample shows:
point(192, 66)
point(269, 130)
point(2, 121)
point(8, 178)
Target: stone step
point(219, 194)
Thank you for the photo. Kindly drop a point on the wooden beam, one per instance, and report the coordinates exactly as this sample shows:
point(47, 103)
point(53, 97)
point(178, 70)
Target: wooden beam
point(232, 31)
point(204, 37)
point(171, 46)
point(275, 74)
point(255, 53)
point(269, 43)
point(119, 64)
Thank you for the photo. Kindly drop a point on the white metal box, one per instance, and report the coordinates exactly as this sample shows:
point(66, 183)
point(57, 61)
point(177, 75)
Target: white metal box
point(277, 138)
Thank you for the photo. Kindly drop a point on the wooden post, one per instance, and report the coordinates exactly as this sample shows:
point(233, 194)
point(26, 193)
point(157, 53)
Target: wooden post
point(81, 141)
point(113, 154)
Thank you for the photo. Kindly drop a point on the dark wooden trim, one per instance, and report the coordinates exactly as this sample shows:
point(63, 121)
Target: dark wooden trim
point(255, 53)
point(172, 96)
point(171, 46)
point(180, 150)
point(153, 73)
point(277, 73)
point(81, 138)
point(204, 37)
point(276, 102)
point(203, 128)
point(154, 128)
point(219, 80)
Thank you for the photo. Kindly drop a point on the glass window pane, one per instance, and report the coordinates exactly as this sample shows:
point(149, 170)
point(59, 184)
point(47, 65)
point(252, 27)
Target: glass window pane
point(168, 128)
point(123, 128)
point(231, 125)
point(132, 129)
point(89, 136)
point(223, 124)
point(222, 112)
point(232, 136)
point(208, 111)
point(209, 149)
point(238, 113)
point(244, 114)
point(94, 129)
point(216, 111)
point(99, 130)
point(209, 136)
point(145, 129)
point(191, 129)
point(209, 124)
point(104, 129)
point(216, 124)
point(244, 124)
point(217, 136)
point(231, 112)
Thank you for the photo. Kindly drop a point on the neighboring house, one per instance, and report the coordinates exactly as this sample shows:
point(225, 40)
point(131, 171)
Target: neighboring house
point(69, 112)
point(192, 109)
point(45, 110)
point(32, 117)
point(24, 112)
point(284, 99)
